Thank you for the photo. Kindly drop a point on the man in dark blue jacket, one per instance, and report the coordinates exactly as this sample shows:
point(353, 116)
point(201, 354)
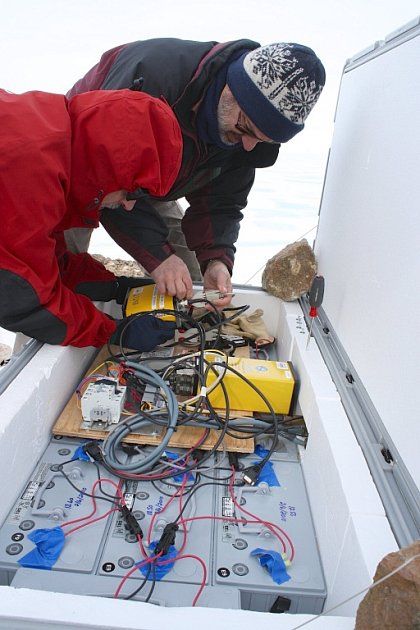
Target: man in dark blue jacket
point(236, 103)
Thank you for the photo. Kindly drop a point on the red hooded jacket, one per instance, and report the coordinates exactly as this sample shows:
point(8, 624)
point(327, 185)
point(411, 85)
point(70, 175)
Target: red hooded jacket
point(58, 159)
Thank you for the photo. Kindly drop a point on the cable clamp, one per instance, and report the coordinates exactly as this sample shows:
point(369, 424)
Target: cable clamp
point(131, 522)
point(167, 539)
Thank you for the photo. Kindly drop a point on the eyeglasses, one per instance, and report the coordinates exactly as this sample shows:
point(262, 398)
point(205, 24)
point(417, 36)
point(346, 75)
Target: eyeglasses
point(247, 131)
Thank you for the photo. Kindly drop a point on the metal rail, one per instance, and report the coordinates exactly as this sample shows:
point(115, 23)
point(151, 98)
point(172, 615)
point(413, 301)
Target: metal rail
point(399, 494)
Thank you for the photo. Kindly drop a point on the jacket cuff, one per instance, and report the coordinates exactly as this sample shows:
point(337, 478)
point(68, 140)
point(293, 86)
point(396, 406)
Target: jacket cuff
point(153, 259)
point(221, 256)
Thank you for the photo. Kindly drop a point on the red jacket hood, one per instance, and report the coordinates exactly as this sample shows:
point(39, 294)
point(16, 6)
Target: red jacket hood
point(121, 140)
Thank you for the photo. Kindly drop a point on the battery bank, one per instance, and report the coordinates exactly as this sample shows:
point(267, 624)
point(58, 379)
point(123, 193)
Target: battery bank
point(273, 378)
point(213, 533)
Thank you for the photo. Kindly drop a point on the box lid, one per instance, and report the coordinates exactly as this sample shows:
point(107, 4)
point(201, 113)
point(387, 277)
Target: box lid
point(368, 240)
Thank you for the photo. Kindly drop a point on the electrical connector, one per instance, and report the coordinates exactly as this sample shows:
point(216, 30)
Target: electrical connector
point(205, 298)
point(251, 474)
point(197, 455)
point(131, 522)
point(94, 451)
point(233, 460)
point(167, 539)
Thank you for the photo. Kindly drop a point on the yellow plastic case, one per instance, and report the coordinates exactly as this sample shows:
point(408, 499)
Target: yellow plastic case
point(274, 378)
point(146, 298)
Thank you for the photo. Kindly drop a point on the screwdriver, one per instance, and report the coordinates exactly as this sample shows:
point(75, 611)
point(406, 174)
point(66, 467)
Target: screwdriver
point(315, 296)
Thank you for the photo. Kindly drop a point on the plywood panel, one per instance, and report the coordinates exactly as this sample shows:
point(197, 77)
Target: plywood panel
point(68, 424)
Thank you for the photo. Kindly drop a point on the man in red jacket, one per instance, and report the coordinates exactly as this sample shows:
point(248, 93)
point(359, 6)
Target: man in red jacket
point(62, 160)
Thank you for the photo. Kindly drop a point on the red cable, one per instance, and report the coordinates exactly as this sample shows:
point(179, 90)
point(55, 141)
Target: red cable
point(94, 520)
point(203, 581)
point(97, 482)
point(121, 474)
point(131, 571)
point(163, 562)
point(269, 525)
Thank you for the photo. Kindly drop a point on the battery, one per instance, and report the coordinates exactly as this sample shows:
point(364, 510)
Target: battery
point(274, 379)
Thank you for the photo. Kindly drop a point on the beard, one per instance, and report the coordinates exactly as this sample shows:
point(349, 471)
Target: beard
point(224, 117)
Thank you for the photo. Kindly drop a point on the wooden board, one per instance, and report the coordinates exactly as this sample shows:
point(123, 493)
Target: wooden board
point(68, 425)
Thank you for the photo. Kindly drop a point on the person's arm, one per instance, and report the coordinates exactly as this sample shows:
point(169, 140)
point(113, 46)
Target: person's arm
point(35, 301)
point(142, 233)
point(211, 222)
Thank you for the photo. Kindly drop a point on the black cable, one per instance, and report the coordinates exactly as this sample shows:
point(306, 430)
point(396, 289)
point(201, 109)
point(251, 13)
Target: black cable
point(185, 470)
point(176, 313)
point(220, 479)
point(239, 309)
point(267, 403)
point(221, 319)
point(126, 475)
point(223, 424)
point(144, 582)
point(153, 582)
point(81, 491)
point(187, 489)
point(198, 487)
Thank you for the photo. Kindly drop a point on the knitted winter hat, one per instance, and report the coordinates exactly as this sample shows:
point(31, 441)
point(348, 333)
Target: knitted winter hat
point(277, 86)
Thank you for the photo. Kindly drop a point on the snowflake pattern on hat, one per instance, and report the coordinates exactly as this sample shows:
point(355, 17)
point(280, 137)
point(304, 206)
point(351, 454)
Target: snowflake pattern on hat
point(287, 76)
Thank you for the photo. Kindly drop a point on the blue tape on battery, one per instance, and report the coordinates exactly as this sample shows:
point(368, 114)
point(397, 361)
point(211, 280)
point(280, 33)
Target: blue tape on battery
point(160, 569)
point(272, 562)
point(268, 475)
point(80, 453)
point(179, 476)
point(49, 544)
point(260, 451)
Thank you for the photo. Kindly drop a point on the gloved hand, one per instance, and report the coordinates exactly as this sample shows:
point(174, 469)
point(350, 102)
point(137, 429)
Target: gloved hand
point(106, 290)
point(142, 333)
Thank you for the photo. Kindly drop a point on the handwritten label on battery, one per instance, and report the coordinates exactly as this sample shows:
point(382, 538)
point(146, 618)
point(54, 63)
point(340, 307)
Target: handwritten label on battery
point(286, 511)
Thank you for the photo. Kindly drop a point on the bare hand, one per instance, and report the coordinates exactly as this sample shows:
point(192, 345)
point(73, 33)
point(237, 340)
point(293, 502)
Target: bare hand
point(217, 277)
point(172, 277)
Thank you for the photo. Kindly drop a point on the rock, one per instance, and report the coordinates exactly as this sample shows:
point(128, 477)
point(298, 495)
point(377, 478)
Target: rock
point(5, 353)
point(395, 602)
point(128, 268)
point(289, 274)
